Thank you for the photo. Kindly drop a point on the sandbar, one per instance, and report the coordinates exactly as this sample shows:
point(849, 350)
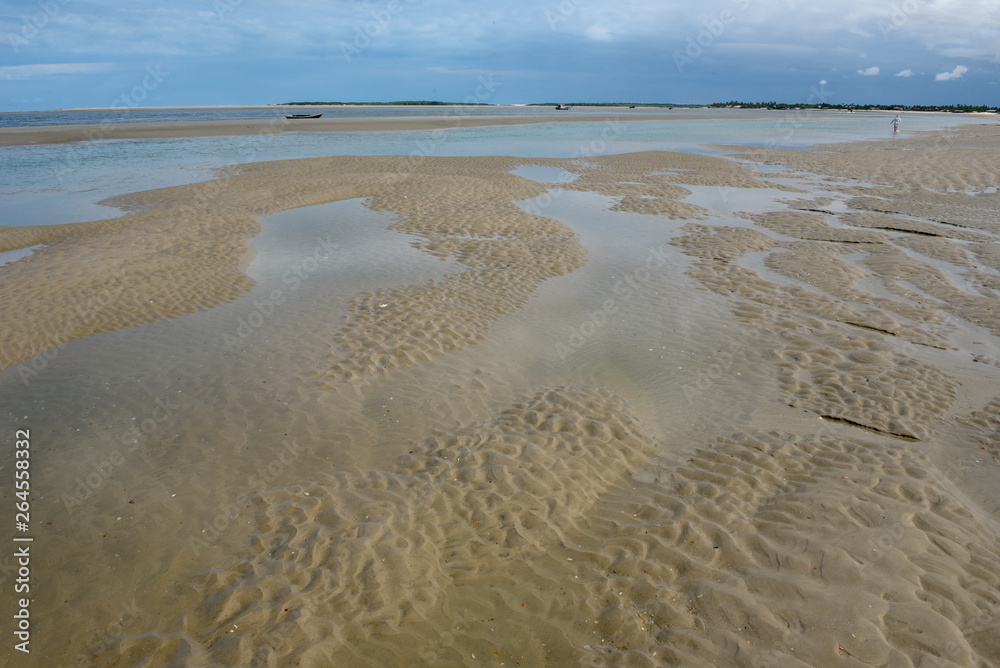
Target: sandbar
point(54, 134)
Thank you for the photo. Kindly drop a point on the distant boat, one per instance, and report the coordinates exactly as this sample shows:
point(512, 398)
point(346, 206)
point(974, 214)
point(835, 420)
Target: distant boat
point(563, 107)
point(296, 116)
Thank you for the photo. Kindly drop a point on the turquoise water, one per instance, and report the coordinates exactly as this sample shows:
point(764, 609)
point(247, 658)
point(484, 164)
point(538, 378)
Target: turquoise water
point(63, 183)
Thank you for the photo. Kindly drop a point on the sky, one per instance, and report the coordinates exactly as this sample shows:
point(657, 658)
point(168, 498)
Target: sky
point(60, 54)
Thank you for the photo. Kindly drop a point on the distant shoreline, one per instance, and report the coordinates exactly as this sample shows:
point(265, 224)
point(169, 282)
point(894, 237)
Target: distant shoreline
point(90, 132)
point(715, 106)
point(58, 134)
point(378, 105)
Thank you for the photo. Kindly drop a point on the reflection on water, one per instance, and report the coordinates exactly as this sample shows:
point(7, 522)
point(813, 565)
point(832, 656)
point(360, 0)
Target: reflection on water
point(15, 255)
point(155, 436)
point(84, 173)
point(544, 174)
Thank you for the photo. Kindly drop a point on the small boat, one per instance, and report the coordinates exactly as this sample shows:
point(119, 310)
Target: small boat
point(562, 107)
point(297, 116)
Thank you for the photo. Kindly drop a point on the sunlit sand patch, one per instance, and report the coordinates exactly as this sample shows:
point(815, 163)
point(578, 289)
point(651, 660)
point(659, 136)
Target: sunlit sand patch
point(822, 284)
point(652, 182)
point(860, 379)
point(828, 368)
point(882, 221)
point(831, 370)
point(898, 270)
point(957, 161)
point(812, 226)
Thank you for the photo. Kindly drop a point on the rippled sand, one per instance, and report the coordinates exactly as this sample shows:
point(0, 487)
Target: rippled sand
point(669, 410)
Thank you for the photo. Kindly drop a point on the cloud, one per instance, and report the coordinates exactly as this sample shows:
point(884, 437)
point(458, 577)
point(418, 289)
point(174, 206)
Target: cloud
point(18, 72)
point(753, 48)
point(599, 33)
point(954, 74)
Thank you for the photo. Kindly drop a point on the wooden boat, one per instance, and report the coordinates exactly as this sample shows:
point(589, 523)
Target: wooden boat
point(297, 116)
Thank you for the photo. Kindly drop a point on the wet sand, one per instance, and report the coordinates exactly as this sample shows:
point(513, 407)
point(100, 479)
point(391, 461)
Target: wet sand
point(672, 409)
point(55, 134)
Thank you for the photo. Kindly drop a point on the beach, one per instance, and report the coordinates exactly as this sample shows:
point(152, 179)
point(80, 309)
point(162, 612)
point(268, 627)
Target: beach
point(460, 117)
point(735, 407)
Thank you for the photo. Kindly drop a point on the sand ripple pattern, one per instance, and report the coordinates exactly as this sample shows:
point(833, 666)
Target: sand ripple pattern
point(985, 426)
point(651, 182)
point(852, 297)
point(775, 549)
point(353, 568)
point(863, 381)
point(707, 562)
point(182, 249)
point(960, 160)
point(507, 254)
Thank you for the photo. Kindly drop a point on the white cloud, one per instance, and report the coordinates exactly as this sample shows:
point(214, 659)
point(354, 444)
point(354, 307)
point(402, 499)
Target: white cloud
point(760, 42)
point(17, 72)
point(599, 33)
point(954, 74)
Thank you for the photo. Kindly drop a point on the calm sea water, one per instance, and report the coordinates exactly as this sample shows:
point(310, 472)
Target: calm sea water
point(140, 115)
point(63, 183)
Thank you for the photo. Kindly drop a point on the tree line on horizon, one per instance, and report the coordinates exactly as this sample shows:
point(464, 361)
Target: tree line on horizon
point(400, 103)
point(732, 104)
point(955, 108)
